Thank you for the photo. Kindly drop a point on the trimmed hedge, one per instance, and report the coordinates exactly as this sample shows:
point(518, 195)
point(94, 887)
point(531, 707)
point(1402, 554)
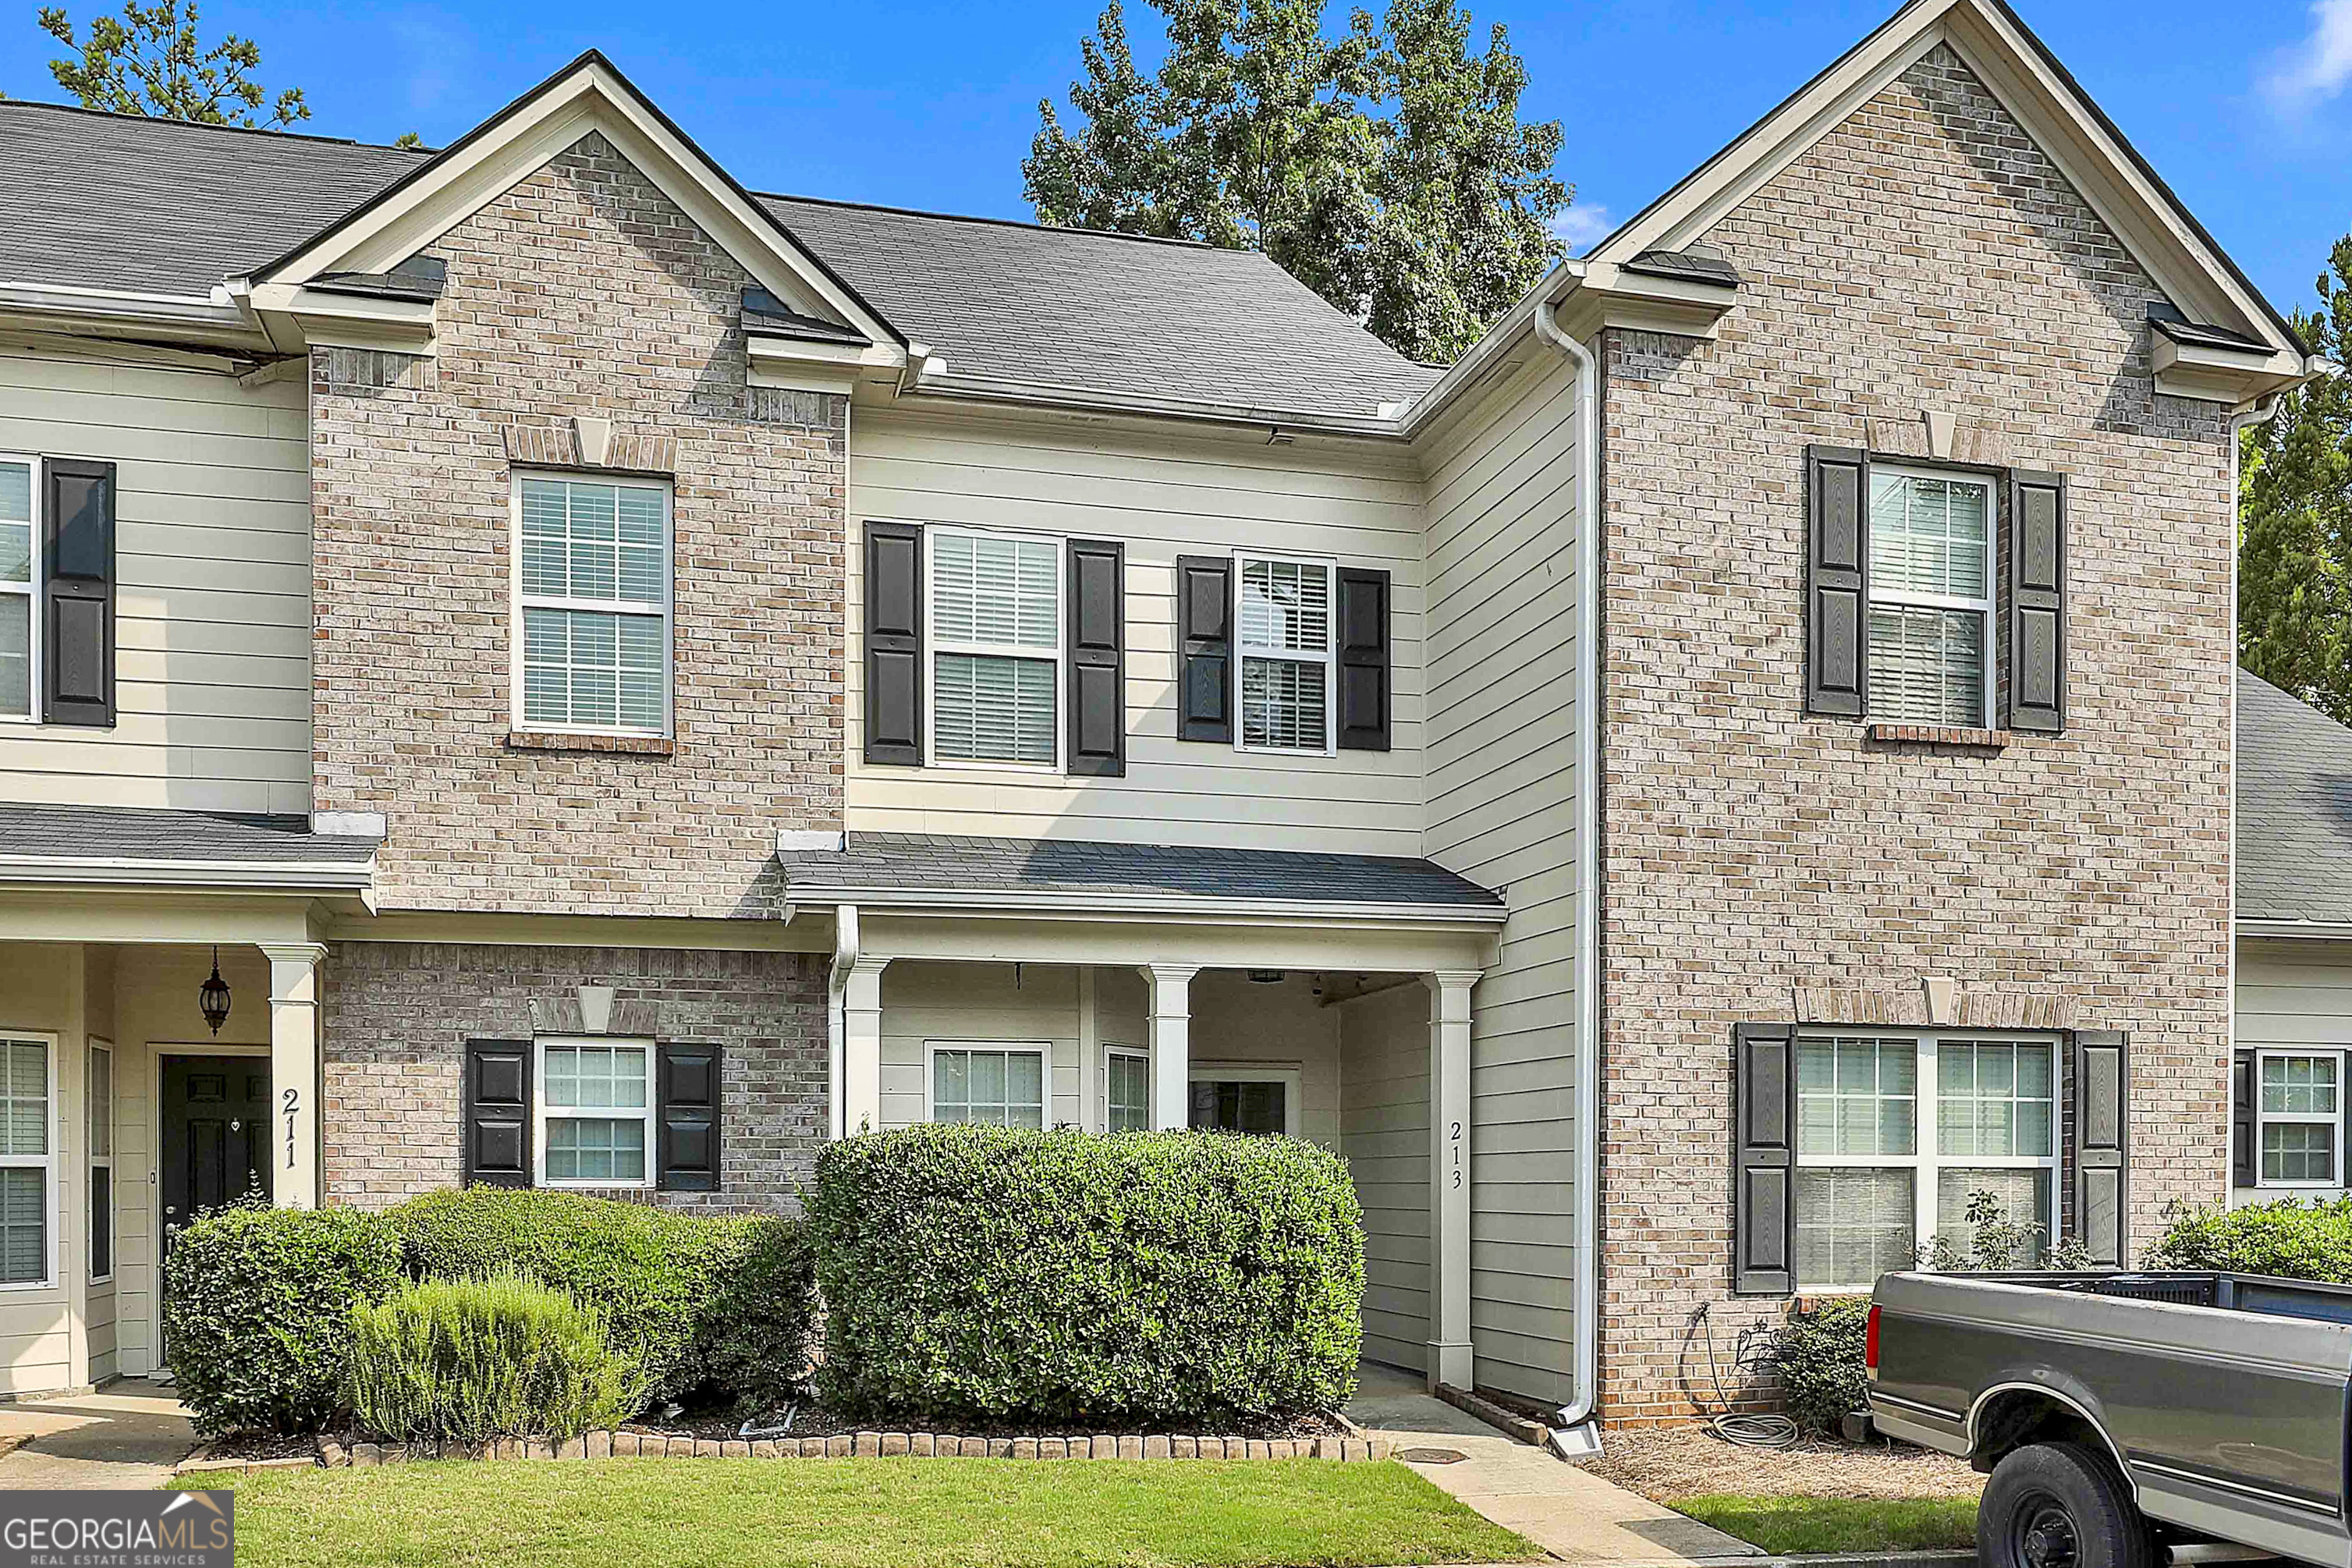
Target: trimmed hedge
point(716, 1304)
point(2292, 1239)
point(975, 1272)
point(256, 1311)
point(1820, 1361)
point(476, 1359)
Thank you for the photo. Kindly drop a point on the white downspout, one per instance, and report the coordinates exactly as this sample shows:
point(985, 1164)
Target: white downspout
point(1585, 1440)
point(845, 954)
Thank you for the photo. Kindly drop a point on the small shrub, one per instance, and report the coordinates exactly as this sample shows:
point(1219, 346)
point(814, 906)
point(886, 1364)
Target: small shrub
point(256, 1311)
point(1820, 1362)
point(2290, 1239)
point(473, 1359)
point(1060, 1276)
point(704, 1303)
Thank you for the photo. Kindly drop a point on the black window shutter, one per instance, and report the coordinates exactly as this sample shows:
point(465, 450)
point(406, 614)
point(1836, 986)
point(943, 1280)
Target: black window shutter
point(1363, 660)
point(1764, 1161)
point(2037, 602)
point(1097, 658)
point(2243, 1171)
point(1837, 582)
point(498, 1114)
point(77, 608)
point(894, 643)
point(2101, 1095)
point(1204, 621)
point(687, 1097)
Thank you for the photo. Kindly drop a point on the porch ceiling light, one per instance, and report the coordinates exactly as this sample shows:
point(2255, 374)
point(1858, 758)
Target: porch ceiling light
point(213, 997)
point(1267, 976)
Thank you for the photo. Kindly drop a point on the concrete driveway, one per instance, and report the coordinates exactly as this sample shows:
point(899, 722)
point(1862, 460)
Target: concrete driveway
point(108, 1440)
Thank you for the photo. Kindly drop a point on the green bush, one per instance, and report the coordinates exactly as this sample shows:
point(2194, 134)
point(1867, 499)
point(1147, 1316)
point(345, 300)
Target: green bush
point(256, 1311)
point(1820, 1362)
point(706, 1303)
point(474, 1358)
point(1068, 1276)
point(2290, 1239)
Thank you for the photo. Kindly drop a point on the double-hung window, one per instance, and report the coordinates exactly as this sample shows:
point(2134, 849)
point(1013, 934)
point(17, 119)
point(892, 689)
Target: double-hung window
point(2298, 1117)
point(1127, 1091)
point(996, 647)
point(20, 587)
point(100, 1105)
point(26, 1162)
point(595, 1114)
point(1285, 627)
point(1931, 587)
point(998, 1086)
point(594, 600)
point(1895, 1133)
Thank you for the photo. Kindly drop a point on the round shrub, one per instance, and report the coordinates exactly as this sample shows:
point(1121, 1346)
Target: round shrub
point(2290, 1239)
point(475, 1358)
point(1820, 1360)
point(256, 1311)
point(975, 1272)
point(704, 1303)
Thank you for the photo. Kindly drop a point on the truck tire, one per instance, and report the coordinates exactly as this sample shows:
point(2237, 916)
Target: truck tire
point(2059, 1505)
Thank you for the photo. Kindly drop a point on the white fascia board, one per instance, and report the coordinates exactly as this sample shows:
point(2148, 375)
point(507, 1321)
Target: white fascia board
point(2212, 374)
point(338, 876)
point(98, 313)
point(803, 366)
point(319, 318)
point(1174, 908)
point(2320, 931)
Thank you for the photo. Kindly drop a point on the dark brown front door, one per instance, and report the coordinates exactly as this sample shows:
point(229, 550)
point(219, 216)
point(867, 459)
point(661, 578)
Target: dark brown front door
point(215, 1134)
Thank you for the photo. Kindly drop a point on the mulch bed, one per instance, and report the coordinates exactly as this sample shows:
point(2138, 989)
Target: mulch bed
point(813, 1420)
point(1666, 1464)
point(260, 1446)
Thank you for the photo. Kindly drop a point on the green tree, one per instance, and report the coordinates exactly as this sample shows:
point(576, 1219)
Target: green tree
point(150, 61)
point(2295, 553)
point(1386, 167)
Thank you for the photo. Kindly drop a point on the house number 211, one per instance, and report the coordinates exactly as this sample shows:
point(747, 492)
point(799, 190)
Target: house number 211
point(293, 1104)
point(1452, 1142)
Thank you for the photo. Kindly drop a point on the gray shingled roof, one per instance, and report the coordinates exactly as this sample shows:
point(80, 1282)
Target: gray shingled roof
point(936, 863)
point(106, 201)
point(127, 833)
point(2294, 808)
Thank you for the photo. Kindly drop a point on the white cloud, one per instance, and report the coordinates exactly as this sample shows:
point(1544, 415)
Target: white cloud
point(2318, 67)
point(1588, 222)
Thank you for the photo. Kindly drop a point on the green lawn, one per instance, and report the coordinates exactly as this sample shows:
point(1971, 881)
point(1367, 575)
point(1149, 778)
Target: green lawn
point(909, 1513)
point(1783, 1524)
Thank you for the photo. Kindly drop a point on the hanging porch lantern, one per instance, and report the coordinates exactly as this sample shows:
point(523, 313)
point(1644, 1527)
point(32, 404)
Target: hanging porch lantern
point(213, 997)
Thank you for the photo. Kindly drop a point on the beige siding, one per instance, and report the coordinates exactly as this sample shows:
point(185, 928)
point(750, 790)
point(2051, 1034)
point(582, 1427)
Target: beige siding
point(1384, 1126)
point(1502, 811)
point(214, 603)
point(2294, 993)
point(1166, 496)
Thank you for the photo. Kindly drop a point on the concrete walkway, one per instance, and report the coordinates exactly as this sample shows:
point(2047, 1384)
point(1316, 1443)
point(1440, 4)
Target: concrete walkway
point(1573, 1516)
point(121, 1439)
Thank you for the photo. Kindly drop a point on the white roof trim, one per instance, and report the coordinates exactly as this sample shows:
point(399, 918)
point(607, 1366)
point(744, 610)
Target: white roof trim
point(1169, 906)
point(340, 875)
point(2326, 931)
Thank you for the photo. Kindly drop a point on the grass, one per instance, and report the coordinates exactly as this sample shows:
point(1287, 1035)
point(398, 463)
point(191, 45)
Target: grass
point(1784, 1524)
point(910, 1513)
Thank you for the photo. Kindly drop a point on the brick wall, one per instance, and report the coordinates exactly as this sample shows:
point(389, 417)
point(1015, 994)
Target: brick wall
point(1924, 255)
point(396, 1017)
point(581, 290)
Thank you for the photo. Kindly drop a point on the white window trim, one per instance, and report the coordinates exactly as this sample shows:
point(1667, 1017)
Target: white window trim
point(1244, 653)
point(98, 1162)
point(31, 592)
point(54, 1220)
point(1924, 1162)
point(2263, 1118)
point(1291, 1077)
point(1138, 1053)
point(1910, 599)
point(541, 1117)
point(933, 646)
point(1041, 1049)
point(518, 601)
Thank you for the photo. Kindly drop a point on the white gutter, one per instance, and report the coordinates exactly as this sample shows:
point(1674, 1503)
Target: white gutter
point(1051, 394)
point(836, 1024)
point(53, 868)
point(2316, 930)
point(1586, 1297)
point(1170, 907)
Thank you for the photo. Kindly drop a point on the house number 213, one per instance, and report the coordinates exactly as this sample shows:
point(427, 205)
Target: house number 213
point(293, 1104)
point(1452, 1142)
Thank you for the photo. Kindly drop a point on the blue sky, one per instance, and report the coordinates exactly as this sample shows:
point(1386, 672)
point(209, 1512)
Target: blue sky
point(2245, 109)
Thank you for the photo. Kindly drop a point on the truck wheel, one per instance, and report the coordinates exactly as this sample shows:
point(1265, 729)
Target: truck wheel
point(2059, 1505)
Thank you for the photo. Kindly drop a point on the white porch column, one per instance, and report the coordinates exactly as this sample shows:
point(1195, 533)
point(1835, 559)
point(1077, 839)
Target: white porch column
point(1449, 1176)
point(294, 1077)
point(1172, 1044)
point(861, 1048)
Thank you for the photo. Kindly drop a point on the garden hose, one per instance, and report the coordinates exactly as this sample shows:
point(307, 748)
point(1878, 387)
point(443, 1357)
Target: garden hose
point(1751, 1430)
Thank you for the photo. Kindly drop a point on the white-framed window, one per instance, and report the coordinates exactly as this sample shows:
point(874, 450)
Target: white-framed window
point(1931, 588)
point(20, 588)
point(2298, 1119)
point(1127, 1091)
point(1237, 1097)
point(1894, 1133)
point(98, 1102)
point(1284, 631)
point(997, 1085)
point(993, 621)
point(592, 647)
point(595, 1112)
point(27, 1162)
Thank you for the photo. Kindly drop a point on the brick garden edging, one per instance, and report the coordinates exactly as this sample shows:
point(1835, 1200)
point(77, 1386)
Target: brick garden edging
point(333, 1454)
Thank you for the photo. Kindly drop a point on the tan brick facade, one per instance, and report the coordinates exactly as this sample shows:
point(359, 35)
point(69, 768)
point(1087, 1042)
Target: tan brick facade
point(583, 290)
point(396, 1017)
point(1760, 863)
